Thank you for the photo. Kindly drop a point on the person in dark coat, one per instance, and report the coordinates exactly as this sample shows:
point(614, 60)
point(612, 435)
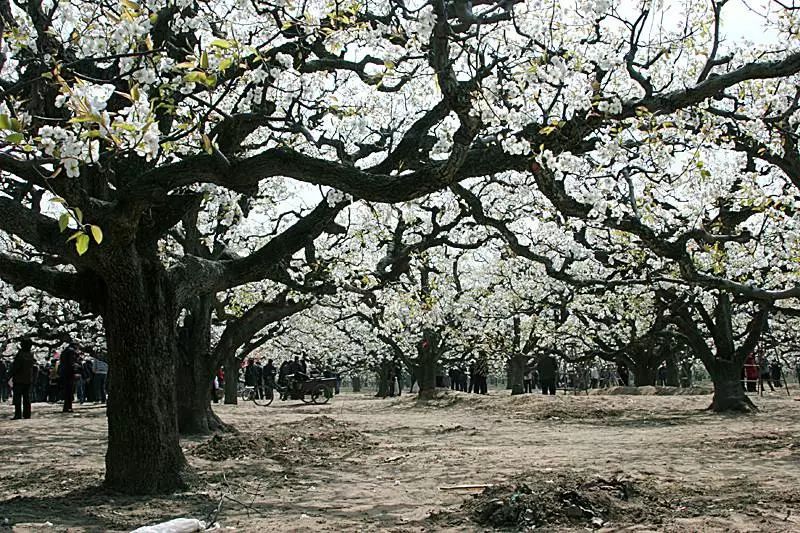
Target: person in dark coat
point(283, 371)
point(4, 376)
point(547, 368)
point(22, 374)
point(66, 374)
point(269, 373)
point(250, 373)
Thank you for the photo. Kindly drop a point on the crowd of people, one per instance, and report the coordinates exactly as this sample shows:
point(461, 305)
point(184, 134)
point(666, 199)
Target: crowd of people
point(475, 380)
point(287, 378)
point(58, 378)
point(759, 370)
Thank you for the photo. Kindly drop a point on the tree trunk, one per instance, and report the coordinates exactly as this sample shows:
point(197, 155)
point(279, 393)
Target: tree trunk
point(144, 454)
point(382, 376)
point(195, 416)
point(356, 383)
point(729, 394)
point(673, 373)
point(516, 374)
point(194, 373)
point(426, 374)
point(231, 380)
point(644, 374)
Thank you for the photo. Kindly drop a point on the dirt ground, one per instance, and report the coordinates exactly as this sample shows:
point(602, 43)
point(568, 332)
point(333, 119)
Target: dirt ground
point(615, 462)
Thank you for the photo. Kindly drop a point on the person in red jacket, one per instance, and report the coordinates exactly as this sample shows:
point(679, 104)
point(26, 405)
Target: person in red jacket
point(750, 372)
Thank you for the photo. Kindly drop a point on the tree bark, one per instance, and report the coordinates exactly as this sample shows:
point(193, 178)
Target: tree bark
point(144, 454)
point(673, 373)
point(516, 374)
point(644, 374)
point(195, 416)
point(426, 366)
point(729, 394)
point(195, 372)
point(382, 377)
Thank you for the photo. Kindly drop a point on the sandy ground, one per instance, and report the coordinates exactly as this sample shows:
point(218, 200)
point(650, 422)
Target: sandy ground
point(364, 464)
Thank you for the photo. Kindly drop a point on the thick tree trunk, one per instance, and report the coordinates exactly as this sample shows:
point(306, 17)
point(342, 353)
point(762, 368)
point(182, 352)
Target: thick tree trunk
point(195, 416)
point(673, 373)
point(644, 374)
point(382, 377)
point(729, 394)
point(356, 383)
point(516, 374)
point(426, 374)
point(144, 454)
point(195, 372)
point(231, 380)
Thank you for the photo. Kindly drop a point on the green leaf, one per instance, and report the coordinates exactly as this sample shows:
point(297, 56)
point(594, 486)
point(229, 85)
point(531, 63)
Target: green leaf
point(225, 64)
point(78, 214)
point(207, 146)
point(196, 77)
point(221, 43)
point(58, 200)
point(97, 233)
point(124, 126)
point(204, 60)
point(82, 243)
point(15, 138)
point(76, 235)
point(63, 221)
point(5, 123)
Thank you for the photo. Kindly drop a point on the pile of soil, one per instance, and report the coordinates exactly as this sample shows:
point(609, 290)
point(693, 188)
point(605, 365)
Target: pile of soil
point(312, 440)
point(562, 501)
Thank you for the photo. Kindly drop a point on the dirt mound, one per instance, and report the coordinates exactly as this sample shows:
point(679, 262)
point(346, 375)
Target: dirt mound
point(650, 390)
point(563, 501)
point(308, 441)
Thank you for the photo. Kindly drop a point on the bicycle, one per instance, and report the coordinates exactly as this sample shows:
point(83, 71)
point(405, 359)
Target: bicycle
point(249, 393)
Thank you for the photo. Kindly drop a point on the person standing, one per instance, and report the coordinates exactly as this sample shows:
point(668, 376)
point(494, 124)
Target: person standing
point(527, 379)
point(548, 368)
point(22, 374)
point(594, 377)
point(764, 373)
point(4, 377)
point(87, 376)
point(99, 379)
point(481, 374)
point(52, 380)
point(662, 375)
point(66, 375)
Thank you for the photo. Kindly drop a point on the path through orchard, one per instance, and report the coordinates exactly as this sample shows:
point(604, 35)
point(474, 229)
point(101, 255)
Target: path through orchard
point(365, 464)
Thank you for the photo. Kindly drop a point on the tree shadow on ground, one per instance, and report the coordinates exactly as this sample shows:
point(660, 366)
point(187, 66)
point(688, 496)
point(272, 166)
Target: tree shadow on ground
point(93, 508)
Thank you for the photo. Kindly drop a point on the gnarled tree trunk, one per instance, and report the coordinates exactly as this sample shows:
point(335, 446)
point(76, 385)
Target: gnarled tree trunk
point(144, 454)
point(516, 366)
point(195, 372)
point(729, 394)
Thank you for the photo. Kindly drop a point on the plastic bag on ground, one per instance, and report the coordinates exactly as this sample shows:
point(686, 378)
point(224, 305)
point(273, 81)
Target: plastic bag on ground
point(178, 525)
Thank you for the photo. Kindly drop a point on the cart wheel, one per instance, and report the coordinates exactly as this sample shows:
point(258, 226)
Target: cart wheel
point(308, 398)
point(318, 396)
point(247, 395)
point(269, 395)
